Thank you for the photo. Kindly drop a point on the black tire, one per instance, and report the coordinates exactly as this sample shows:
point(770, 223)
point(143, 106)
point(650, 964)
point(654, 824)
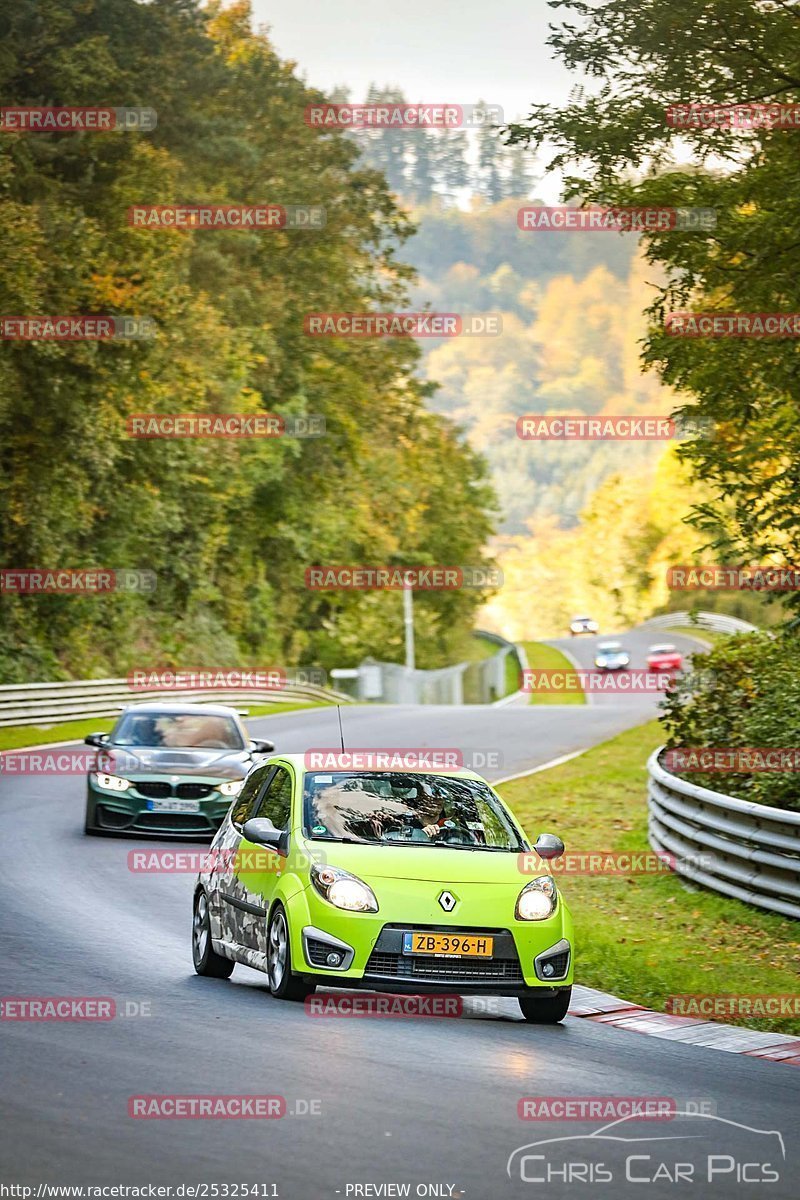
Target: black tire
point(204, 956)
point(282, 983)
point(546, 1010)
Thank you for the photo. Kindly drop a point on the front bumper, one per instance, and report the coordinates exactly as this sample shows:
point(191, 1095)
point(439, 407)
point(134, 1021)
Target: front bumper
point(135, 812)
point(372, 949)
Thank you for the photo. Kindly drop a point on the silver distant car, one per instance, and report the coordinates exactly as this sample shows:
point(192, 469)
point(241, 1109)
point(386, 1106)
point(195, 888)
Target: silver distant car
point(612, 656)
point(580, 625)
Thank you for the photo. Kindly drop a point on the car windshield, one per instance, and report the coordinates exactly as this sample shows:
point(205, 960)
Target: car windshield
point(610, 647)
point(396, 808)
point(662, 649)
point(187, 730)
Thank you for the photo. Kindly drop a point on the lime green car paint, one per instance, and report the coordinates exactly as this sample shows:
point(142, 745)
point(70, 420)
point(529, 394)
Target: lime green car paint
point(247, 881)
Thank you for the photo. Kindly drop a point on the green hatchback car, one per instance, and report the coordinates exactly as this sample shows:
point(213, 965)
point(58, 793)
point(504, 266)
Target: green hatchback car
point(397, 881)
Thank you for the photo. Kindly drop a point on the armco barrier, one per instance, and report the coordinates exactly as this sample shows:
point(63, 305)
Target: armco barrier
point(749, 851)
point(480, 682)
point(48, 703)
point(720, 622)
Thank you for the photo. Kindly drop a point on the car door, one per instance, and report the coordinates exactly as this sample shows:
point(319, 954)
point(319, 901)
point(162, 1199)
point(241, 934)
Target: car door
point(235, 911)
point(260, 866)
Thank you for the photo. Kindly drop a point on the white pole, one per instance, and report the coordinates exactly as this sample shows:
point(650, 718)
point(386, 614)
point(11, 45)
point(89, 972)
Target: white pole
point(408, 622)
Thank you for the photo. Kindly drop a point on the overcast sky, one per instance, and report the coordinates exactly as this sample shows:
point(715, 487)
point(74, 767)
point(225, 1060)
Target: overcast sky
point(435, 50)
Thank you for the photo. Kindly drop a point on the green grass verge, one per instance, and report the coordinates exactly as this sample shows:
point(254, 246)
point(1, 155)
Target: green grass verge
point(67, 731)
point(709, 636)
point(544, 657)
point(650, 936)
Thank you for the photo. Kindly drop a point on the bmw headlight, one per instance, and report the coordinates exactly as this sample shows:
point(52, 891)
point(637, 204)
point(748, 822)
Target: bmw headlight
point(342, 889)
point(537, 900)
point(112, 783)
point(231, 788)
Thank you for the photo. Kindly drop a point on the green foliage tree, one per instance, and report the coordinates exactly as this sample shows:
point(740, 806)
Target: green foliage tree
point(743, 694)
point(228, 527)
point(614, 146)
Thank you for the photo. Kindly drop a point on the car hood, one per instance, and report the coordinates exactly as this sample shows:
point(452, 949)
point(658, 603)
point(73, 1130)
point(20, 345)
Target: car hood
point(429, 863)
point(166, 760)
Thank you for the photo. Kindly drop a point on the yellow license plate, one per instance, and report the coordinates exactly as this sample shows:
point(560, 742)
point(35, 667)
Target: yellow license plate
point(448, 945)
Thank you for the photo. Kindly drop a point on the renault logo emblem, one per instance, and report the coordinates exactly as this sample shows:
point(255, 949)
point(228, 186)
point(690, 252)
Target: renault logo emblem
point(447, 901)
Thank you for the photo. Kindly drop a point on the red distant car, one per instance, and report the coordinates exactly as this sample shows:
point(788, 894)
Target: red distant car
point(664, 657)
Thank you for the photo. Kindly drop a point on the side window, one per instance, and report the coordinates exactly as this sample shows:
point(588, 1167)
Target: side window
point(276, 803)
point(246, 800)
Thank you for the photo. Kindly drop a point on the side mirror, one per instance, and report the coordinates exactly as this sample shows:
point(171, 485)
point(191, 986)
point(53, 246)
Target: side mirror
point(549, 846)
point(261, 746)
point(262, 832)
point(96, 739)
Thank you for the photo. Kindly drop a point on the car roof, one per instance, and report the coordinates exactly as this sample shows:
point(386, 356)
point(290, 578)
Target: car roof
point(298, 761)
point(185, 709)
point(661, 647)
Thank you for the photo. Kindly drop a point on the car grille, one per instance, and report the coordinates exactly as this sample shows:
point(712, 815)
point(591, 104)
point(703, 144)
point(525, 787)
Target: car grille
point(159, 789)
point(317, 951)
point(458, 970)
point(174, 822)
point(154, 789)
point(559, 963)
point(110, 818)
point(193, 791)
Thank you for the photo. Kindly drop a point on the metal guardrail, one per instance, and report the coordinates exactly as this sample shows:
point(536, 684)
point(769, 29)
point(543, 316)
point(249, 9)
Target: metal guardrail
point(734, 847)
point(482, 681)
point(75, 700)
point(720, 622)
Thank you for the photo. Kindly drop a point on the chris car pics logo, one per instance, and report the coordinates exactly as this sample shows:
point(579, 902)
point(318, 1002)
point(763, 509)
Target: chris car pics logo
point(693, 1148)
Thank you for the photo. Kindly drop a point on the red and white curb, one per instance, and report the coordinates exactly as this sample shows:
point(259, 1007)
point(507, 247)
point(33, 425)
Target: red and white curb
point(694, 1031)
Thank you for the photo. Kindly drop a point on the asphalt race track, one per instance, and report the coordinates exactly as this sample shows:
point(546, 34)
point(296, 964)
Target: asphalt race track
point(425, 1102)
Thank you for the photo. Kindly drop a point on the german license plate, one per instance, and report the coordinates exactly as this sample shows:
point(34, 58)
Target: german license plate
point(448, 945)
point(174, 806)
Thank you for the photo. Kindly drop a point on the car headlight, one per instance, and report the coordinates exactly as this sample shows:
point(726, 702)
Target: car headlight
point(231, 788)
point(112, 783)
point(343, 890)
point(537, 900)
